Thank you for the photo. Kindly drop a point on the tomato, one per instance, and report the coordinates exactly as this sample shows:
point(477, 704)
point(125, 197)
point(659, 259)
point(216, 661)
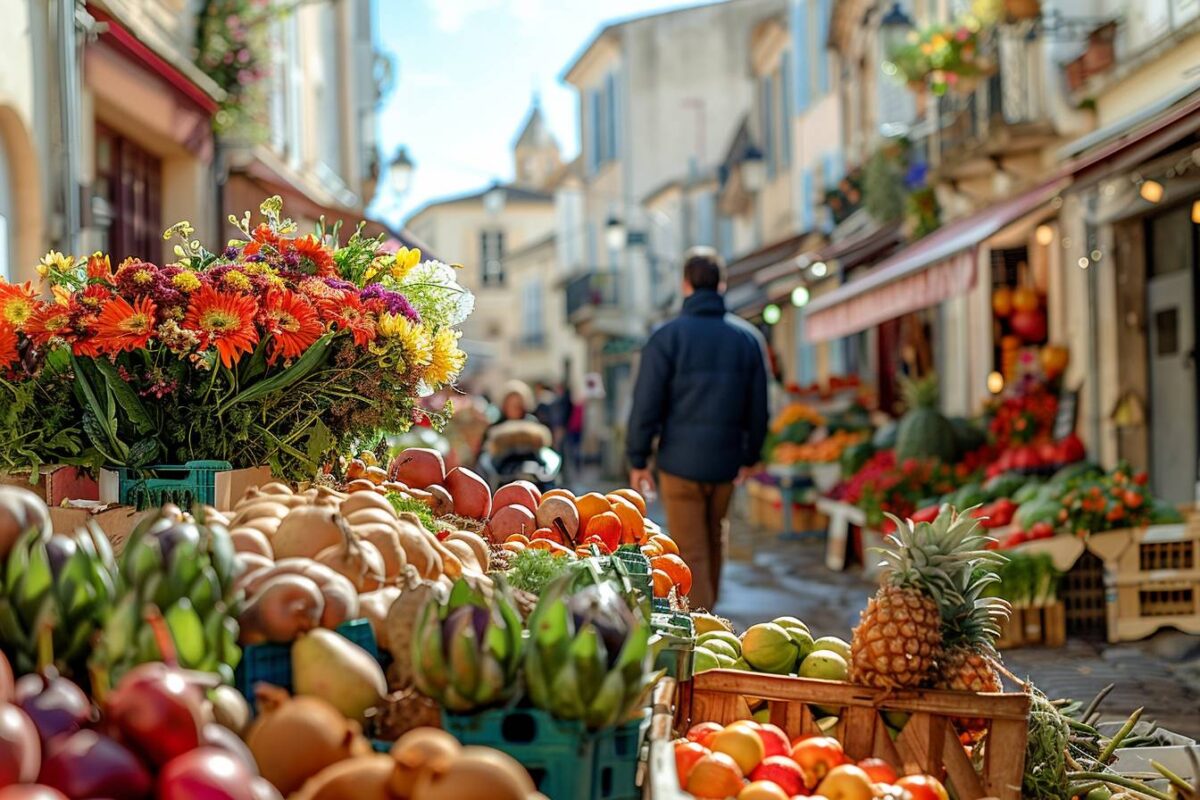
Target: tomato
point(923, 787)
point(1141, 479)
point(1041, 530)
point(1133, 499)
point(816, 756)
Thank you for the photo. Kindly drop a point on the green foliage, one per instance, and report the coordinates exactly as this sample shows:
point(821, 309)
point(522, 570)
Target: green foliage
point(883, 187)
point(532, 570)
point(407, 505)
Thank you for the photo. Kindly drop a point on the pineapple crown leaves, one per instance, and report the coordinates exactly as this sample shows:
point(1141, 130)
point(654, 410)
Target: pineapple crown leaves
point(932, 556)
point(921, 392)
point(976, 621)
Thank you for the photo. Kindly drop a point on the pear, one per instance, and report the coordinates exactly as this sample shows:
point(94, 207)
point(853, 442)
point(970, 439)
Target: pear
point(331, 667)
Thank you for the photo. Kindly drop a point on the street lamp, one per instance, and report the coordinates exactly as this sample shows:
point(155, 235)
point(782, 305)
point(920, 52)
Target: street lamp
point(400, 172)
point(894, 28)
point(615, 235)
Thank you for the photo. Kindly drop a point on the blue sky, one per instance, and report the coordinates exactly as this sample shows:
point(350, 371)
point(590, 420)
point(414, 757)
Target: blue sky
point(465, 73)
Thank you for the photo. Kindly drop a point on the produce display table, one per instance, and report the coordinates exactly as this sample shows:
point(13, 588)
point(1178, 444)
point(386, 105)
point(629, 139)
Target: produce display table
point(841, 517)
point(791, 479)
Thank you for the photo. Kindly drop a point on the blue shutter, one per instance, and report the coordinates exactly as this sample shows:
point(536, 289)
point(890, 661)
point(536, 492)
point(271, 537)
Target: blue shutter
point(592, 260)
point(807, 189)
point(594, 131)
point(706, 217)
point(824, 13)
point(610, 115)
point(766, 103)
point(801, 73)
point(806, 369)
point(785, 109)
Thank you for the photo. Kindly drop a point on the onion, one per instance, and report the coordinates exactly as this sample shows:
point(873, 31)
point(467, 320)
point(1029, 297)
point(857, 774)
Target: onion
point(54, 704)
point(156, 711)
point(20, 748)
point(20, 510)
point(214, 735)
point(206, 773)
point(87, 764)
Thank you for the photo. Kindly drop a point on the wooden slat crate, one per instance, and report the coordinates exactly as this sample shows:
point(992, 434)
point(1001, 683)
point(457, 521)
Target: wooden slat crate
point(1035, 627)
point(1151, 579)
point(928, 742)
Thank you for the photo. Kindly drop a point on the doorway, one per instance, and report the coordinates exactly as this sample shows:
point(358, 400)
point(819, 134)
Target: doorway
point(1171, 263)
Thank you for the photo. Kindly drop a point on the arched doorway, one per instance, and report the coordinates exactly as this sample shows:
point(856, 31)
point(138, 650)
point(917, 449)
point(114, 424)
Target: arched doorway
point(7, 218)
point(21, 235)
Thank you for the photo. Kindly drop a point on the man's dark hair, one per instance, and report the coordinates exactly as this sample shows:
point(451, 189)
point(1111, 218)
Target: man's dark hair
point(703, 268)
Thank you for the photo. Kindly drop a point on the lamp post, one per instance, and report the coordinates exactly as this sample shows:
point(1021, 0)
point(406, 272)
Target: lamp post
point(894, 28)
point(400, 172)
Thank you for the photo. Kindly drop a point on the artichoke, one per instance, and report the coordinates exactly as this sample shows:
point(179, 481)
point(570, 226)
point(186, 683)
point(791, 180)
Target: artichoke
point(588, 656)
point(467, 650)
point(57, 590)
point(185, 568)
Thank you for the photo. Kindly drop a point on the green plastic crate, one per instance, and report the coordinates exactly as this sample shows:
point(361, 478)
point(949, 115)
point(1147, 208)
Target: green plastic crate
point(185, 485)
point(558, 754)
point(272, 663)
point(675, 643)
point(638, 568)
point(614, 769)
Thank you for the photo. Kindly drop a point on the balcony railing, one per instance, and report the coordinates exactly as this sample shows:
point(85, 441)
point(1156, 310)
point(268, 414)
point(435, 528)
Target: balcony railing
point(1004, 105)
point(590, 291)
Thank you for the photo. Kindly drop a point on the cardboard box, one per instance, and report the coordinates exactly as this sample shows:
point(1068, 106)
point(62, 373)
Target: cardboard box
point(229, 485)
point(116, 521)
point(56, 483)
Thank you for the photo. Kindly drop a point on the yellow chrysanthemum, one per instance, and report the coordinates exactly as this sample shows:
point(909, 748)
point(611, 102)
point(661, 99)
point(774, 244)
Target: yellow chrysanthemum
point(447, 360)
point(186, 282)
point(237, 280)
point(54, 261)
point(404, 262)
point(412, 337)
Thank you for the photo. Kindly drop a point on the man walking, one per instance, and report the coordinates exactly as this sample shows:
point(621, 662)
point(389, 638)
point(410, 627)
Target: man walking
point(702, 390)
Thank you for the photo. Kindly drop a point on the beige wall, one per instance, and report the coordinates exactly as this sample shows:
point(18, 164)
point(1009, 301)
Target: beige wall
point(542, 361)
point(22, 137)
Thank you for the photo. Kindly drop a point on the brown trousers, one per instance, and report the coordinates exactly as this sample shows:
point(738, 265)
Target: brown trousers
point(696, 521)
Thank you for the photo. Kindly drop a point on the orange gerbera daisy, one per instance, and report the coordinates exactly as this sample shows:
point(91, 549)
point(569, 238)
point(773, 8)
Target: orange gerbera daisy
point(291, 322)
point(49, 321)
point(99, 268)
point(224, 320)
point(315, 258)
point(17, 303)
point(8, 345)
point(351, 316)
point(123, 327)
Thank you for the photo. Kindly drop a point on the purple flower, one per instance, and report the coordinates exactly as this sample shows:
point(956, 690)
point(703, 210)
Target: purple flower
point(230, 252)
point(339, 284)
point(393, 302)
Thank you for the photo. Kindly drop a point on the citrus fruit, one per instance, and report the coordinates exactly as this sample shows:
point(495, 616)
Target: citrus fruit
point(687, 753)
point(590, 505)
point(635, 497)
point(762, 790)
point(665, 542)
point(662, 583)
point(633, 526)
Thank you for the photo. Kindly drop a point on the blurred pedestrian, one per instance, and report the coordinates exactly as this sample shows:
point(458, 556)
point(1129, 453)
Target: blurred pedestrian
point(702, 391)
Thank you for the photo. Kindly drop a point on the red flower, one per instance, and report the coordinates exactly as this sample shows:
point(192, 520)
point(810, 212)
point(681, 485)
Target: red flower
point(17, 304)
point(51, 320)
point(291, 322)
point(224, 320)
point(8, 345)
point(351, 316)
point(315, 258)
point(99, 268)
point(124, 327)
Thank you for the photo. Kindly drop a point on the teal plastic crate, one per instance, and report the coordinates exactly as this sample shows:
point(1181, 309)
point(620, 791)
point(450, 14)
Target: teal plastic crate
point(675, 643)
point(660, 605)
point(614, 769)
point(558, 754)
point(185, 485)
point(638, 568)
point(272, 663)
point(674, 623)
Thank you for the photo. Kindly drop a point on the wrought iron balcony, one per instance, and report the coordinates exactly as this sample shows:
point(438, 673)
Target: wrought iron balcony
point(591, 291)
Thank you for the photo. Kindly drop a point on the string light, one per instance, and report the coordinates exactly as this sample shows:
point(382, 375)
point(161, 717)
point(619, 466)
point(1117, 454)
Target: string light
point(800, 296)
point(1196, 212)
point(1151, 191)
point(995, 383)
point(1044, 235)
point(771, 314)
point(819, 270)
point(1097, 255)
point(1083, 262)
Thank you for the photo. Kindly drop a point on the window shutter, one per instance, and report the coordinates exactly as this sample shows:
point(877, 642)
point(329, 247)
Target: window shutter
point(802, 70)
point(768, 123)
point(807, 213)
point(786, 106)
point(824, 12)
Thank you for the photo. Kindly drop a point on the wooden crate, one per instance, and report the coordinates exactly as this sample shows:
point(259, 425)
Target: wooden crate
point(805, 516)
point(1035, 627)
point(928, 742)
point(1083, 595)
point(1151, 578)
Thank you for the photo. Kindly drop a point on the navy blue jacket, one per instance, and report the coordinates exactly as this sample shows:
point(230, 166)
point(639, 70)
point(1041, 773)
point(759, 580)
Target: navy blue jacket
point(702, 389)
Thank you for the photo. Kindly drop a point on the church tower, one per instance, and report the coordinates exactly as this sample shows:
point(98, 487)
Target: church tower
point(536, 155)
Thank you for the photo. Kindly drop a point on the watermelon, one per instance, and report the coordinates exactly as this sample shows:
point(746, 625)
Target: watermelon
point(1027, 492)
point(1005, 484)
point(855, 455)
point(1037, 510)
point(967, 496)
point(924, 432)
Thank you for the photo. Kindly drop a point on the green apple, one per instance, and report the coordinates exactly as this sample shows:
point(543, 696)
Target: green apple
point(839, 646)
point(703, 660)
point(826, 665)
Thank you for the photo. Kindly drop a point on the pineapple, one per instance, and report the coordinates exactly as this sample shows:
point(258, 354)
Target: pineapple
point(898, 640)
point(969, 632)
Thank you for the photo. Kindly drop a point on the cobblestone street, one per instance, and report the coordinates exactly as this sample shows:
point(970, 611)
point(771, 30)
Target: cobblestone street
point(766, 577)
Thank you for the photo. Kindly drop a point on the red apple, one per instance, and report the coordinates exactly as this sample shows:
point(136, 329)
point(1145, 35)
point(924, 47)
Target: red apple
point(817, 756)
point(878, 770)
point(703, 732)
point(923, 787)
point(686, 755)
point(774, 740)
point(780, 770)
point(419, 467)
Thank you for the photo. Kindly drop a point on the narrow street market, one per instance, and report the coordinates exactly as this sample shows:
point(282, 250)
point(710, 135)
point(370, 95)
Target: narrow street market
point(528, 400)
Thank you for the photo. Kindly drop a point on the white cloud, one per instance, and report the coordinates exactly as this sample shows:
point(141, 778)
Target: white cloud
point(451, 15)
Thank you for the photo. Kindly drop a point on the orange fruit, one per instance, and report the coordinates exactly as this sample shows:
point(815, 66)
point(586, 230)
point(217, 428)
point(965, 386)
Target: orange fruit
point(715, 775)
point(567, 493)
point(607, 525)
point(742, 743)
point(662, 583)
point(590, 505)
point(651, 549)
point(664, 543)
point(762, 790)
point(674, 566)
point(635, 497)
point(633, 525)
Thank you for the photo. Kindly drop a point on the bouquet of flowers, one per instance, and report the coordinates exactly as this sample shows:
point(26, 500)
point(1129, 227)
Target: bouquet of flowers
point(279, 349)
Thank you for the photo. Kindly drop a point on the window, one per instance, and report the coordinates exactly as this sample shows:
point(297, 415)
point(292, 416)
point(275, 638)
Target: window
point(610, 117)
point(766, 111)
point(326, 87)
point(287, 78)
point(595, 146)
point(785, 109)
point(532, 331)
point(491, 256)
point(807, 190)
point(725, 236)
point(129, 179)
point(602, 123)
